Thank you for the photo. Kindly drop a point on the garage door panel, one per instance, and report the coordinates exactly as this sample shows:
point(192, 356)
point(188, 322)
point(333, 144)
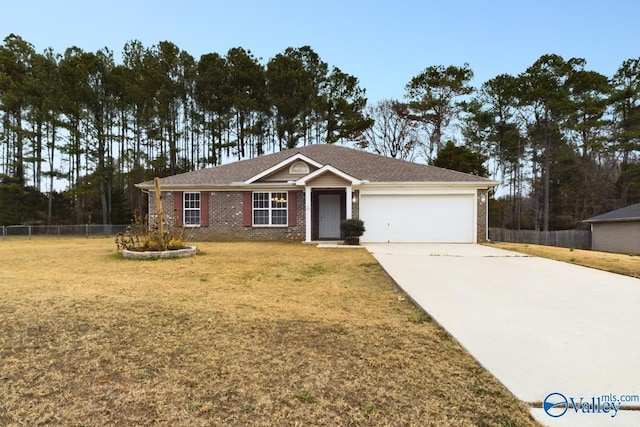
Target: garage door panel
point(432, 218)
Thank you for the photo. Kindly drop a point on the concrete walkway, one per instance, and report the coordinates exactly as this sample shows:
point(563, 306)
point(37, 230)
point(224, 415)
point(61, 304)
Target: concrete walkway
point(539, 326)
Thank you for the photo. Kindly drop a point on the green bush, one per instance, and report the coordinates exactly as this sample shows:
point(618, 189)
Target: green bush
point(351, 230)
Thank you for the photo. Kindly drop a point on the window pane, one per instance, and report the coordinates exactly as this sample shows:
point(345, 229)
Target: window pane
point(260, 200)
point(192, 200)
point(279, 217)
point(261, 217)
point(192, 217)
point(278, 200)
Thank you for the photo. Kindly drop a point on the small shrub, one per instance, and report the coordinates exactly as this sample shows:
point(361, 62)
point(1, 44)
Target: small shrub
point(140, 237)
point(351, 230)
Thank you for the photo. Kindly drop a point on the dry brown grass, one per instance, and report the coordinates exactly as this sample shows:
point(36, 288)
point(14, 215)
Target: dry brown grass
point(241, 334)
point(628, 265)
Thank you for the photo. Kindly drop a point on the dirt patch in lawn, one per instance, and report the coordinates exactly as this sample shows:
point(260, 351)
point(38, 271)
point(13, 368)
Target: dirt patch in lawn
point(240, 334)
point(628, 265)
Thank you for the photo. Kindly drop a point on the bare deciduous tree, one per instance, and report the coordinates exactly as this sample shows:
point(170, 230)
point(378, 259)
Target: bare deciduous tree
point(393, 134)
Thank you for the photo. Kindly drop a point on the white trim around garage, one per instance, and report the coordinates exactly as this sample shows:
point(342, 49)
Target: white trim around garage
point(419, 217)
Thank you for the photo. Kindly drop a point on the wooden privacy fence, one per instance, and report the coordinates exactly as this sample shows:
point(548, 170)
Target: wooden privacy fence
point(579, 239)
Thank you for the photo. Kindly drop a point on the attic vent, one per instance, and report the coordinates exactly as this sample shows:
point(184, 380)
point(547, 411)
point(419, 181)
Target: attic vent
point(299, 168)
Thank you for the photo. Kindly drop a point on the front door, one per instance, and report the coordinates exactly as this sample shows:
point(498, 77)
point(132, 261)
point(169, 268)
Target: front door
point(329, 216)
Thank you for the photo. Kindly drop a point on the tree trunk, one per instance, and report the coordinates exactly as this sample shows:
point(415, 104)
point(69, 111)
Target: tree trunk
point(547, 180)
point(103, 203)
point(38, 159)
point(52, 148)
point(19, 150)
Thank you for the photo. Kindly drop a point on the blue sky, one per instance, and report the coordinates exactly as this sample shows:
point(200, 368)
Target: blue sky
point(383, 43)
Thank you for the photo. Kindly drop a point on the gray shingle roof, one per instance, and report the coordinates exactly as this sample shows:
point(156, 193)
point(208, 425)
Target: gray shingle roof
point(356, 163)
point(630, 213)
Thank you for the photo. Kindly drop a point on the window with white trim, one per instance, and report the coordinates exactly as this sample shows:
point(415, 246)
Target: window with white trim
point(191, 209)
point(270, 209)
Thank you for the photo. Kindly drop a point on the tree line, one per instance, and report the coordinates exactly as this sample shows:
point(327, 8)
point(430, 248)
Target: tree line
point(103, 126)
point(563, 140)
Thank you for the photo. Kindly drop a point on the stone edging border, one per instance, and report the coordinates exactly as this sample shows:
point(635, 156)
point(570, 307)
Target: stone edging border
point(178, 253)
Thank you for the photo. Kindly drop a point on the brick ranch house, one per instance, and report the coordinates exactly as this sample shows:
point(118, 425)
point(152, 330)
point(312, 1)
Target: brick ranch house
point(304, 193)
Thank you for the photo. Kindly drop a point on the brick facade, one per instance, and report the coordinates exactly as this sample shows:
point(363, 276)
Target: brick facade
point(226, 218)
point(482, 209)
point(226, 222)
point(355, 206)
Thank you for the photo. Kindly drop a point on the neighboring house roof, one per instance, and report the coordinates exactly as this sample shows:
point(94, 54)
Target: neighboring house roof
point(359, 164)
point(630, 213)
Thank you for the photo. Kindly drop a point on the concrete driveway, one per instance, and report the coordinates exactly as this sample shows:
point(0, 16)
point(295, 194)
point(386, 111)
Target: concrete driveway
point(539, 326)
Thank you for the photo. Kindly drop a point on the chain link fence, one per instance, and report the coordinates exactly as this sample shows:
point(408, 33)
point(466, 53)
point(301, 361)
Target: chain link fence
point(28, 232)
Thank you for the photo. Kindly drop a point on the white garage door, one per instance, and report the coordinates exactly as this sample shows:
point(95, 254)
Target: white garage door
point(417, 218)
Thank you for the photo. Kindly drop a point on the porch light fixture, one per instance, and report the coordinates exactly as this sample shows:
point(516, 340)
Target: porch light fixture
point(482, 198)
point(354, 199)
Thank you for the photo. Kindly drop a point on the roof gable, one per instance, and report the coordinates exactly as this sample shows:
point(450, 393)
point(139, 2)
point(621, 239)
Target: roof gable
point(324, 170)
point(629, 213)
point(289, 161)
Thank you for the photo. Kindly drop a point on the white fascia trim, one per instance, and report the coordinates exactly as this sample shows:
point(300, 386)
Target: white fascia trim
point(325, 169)
point(422, 188)
point(282, 164)
point(143, 187)
point(236, 186)
point(600, 221)
point(431, 184)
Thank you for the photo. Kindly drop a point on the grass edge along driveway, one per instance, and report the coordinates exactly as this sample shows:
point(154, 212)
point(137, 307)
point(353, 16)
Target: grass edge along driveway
point(625, 264)
point(241, 334)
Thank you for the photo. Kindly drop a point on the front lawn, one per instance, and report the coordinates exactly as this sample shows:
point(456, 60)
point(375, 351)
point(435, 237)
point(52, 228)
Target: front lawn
point(241, 334)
